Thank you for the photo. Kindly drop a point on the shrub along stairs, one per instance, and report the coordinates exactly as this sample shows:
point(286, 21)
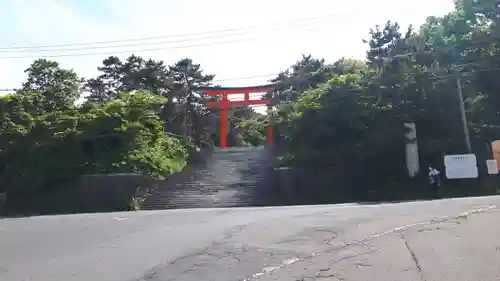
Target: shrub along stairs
point(233, 177)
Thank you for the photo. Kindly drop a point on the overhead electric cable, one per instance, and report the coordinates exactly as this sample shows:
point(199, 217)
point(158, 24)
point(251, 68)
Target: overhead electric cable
point(195, 39)
point(291, 21)
point(140, 50)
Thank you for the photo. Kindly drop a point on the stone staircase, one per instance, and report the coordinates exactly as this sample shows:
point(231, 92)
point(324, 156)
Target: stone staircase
point(233, 177)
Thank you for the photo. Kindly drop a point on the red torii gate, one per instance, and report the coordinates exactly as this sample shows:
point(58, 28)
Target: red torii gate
point(225, 103)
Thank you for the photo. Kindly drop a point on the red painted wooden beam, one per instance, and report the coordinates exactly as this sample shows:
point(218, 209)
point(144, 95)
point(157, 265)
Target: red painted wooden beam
point(223, 128)
point(237, 90)
point(222, 104)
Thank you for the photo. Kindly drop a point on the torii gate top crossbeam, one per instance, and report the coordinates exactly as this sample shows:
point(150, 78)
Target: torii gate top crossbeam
point(237, 90)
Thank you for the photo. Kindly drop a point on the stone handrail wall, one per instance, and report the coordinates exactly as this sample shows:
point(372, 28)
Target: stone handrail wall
point(90, 193)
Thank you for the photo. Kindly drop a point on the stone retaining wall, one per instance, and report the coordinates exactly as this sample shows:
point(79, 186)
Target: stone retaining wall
point(91, 193)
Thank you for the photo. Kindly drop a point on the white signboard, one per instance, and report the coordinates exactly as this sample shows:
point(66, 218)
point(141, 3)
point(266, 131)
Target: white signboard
point(461, 166)
point(492, 166)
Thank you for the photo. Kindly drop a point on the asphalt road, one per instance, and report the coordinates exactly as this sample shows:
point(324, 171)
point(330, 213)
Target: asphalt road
point(447, 240)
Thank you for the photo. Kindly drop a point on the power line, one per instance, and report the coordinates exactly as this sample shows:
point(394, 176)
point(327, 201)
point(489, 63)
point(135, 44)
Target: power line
point(123, 52)
point(408, 54)
point(293, 21)
point(441, 49)
point(402, 55)
point(213, 81)
point(158, 43)
point(441, 77)
point(432, 51)
point(244, 77)
point(140, 50)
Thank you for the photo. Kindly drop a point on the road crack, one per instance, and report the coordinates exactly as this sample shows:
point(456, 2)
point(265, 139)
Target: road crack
point(309, 234)
point(371, 251)
point(399, 229)
point(152, 274)
point(414, 257)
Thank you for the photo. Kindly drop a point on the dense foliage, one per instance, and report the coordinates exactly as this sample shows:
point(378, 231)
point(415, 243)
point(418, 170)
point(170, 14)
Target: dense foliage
point(346, 117)
point(41, 149)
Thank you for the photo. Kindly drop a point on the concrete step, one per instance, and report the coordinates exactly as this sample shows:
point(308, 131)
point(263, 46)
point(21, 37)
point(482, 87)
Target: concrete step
point(230, 177)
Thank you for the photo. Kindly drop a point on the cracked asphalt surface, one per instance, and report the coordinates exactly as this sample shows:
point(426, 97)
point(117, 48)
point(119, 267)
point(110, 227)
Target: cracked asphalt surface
point(434, 240)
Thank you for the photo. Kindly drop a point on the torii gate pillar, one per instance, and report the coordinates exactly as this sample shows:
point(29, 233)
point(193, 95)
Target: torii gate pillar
point(270, 127)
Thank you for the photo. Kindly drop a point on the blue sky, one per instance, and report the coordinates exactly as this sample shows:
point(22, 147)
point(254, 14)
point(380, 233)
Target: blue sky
point(337, 31)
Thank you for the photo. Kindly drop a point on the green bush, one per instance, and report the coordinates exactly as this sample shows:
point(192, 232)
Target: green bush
point(47, 149)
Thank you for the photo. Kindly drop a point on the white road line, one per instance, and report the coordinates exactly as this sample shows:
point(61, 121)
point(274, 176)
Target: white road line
point(119, 218)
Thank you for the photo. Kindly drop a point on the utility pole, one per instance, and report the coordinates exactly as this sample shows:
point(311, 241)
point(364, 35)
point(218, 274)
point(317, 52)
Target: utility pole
point(463, 115)
point(185, 121)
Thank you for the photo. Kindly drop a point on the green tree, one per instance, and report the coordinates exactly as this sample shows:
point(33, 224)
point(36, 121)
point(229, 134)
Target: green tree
point(183, 113)
point(135, 74)
point(188, 114)
point(61, 87)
